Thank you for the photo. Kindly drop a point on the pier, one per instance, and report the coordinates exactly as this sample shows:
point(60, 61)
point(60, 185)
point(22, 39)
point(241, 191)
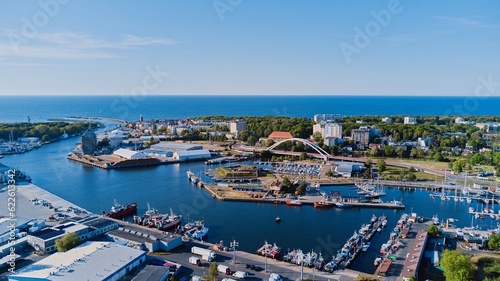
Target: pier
point(112, 162)
point(225, 192)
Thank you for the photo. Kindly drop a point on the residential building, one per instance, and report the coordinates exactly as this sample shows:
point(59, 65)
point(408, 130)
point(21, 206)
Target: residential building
point(410, 120)
point(333, 130)
point(328, 129)
point(361, 136)
point(326, 117)
point(424, 142)
point(237, 126)
point(387, 120)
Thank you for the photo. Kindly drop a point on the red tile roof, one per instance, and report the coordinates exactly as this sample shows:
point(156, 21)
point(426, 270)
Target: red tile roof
point(280, 135)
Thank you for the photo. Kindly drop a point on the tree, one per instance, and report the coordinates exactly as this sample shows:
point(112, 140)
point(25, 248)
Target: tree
point(494, 242)
point(458, 166)
point(329, 173)
point(302, 188)
point(45, 138)
point(303, 156)
point(252, 140)
point(457, 266)
point(438, 157)
point(381, 165)
point(67, 242)
point(476, 159)
point(433, 230)
point(213, 272)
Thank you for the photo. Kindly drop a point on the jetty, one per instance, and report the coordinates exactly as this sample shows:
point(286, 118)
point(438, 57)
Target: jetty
point(115, 162)
point(227, 192)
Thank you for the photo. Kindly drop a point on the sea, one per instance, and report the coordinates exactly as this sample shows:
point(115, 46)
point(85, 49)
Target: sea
point(129, 108)
point(167, 187)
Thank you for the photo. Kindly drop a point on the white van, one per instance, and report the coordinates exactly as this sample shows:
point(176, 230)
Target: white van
point(240, 274)
point(196, 278)
point(194, 260)
point(274, 277)
point(224, 269)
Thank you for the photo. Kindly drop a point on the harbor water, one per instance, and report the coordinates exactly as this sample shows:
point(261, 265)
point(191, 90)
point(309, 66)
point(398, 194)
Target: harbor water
point(167, 187)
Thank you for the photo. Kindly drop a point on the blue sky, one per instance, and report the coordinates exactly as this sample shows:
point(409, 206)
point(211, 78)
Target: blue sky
point(249, 47)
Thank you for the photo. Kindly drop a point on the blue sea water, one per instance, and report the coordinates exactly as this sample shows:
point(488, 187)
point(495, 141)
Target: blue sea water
point(41, 108)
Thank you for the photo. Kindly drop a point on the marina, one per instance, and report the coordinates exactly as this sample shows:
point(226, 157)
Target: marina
point(95, 189)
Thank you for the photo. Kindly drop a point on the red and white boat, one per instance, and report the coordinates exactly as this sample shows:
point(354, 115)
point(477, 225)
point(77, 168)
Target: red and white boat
point(118, 211)
point(271, 251)
point(323, 204)
point(294, 203)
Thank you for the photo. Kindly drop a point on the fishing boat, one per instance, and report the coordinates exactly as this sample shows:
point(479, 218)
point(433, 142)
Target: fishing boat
point(342, 205)
point(201, 233)
point(319, 262)
point(323, 204)
point(365, 246)
point(271, 251)
point(294, 203)
point(118, 211)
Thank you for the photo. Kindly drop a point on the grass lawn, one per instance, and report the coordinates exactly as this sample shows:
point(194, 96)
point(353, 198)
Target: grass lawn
point(395, 173)
point(488, 267)
point(430, 164)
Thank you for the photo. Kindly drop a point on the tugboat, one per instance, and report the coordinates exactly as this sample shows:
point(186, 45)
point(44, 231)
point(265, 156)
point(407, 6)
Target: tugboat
point(119, 211)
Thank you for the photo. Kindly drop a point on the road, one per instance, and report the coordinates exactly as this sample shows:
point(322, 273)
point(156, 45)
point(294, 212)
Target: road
point(287, 271)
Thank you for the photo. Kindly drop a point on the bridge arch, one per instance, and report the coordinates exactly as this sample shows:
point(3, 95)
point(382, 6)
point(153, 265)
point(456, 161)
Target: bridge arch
point(318, 149)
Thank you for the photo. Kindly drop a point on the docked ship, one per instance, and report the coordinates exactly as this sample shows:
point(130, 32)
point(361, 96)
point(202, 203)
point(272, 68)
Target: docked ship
point(166, 222)
point(271, 251)
point(323, 204)
point(294, 203)
point(119, 211)
point(200, 233)
point(152, 218)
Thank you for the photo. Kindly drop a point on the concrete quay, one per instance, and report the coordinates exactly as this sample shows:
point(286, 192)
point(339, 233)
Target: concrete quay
point(33, 202)
point(286, 270)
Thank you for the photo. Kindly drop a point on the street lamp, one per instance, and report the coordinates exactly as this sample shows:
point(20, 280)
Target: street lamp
point(233, 245)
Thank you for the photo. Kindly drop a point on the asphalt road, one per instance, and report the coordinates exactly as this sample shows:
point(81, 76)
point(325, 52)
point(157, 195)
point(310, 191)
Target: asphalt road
point(287, 271)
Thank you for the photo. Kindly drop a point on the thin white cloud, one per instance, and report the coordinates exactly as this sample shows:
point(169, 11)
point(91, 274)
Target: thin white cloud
point(44, 52)
point(71, 45)
point(466, 21)
point(25, 64)
point(132, 40)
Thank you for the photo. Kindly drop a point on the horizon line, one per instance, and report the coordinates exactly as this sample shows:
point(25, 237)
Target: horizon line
point(242, 95)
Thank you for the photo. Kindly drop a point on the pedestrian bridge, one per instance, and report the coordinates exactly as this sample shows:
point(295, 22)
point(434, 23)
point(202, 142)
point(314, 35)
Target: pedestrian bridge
point(322, 153)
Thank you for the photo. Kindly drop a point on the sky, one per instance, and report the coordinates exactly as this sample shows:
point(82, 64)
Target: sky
point(249, 47)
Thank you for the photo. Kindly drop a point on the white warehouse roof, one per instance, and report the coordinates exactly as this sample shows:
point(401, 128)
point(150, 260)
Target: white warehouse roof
point(89, 261)
point(192, 154)
point(176, 146)
point(129, 154)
